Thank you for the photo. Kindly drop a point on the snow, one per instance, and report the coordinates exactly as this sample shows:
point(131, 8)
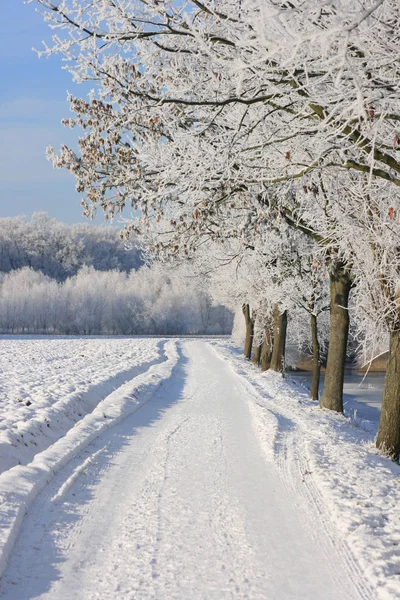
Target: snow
point(362, 396)
point(354, 489)
point(178, 502)
point(20, 484)
point(203, 478)
point(48, 384)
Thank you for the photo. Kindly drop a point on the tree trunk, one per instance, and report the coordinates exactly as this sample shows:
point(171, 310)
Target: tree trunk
point(316, 367)
point(266, 351)
point(340, 284)
point(388, 439)
point(249, 331)
point(256, 358)
point(278, 352)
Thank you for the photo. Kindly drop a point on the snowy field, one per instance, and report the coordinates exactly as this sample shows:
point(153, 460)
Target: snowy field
point(48, 384)
point(187, 474)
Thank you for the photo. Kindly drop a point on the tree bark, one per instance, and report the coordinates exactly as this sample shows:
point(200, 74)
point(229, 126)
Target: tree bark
point(340, 284)
point(388, 439)
point(316, 366)
point(266, 351)
point(249, 331)
point(278, 352)
point(256, 358)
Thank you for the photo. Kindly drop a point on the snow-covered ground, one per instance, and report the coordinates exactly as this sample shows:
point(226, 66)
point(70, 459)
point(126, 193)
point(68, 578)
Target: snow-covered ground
point(355, 490)
point(362, 397)
point(48, 384)
point(202, 478)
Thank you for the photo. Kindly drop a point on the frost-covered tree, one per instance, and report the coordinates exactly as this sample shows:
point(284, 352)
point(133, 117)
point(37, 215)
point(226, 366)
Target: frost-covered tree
point(59, 250)
point(152, 301)
point(27, 301)
point(278, 275)
point(218, 118)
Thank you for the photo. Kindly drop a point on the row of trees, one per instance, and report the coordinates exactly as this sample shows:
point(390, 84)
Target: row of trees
point(59, 250)
point(153, 301)
point(265, 133)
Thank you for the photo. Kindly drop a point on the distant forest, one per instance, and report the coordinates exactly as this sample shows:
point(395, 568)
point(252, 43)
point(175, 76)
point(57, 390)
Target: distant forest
point(59, 250)
point(80, 279)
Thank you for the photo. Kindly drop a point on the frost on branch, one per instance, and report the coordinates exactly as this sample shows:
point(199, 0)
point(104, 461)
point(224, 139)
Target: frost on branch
point(244, 123)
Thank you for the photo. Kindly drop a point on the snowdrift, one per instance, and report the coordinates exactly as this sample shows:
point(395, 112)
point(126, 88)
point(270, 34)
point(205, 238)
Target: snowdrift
point(20, 484)
point(339, 469)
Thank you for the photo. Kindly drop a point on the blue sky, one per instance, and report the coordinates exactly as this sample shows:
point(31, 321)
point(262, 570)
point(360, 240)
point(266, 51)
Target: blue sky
point(33, 101)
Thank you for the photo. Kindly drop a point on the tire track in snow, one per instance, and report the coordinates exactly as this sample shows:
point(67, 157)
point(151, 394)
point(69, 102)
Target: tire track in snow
point(286, 448)
point(58, 404)
point(67, 485)
point(294, 468)
point(184, 482)
point(158, 537)
point(20, 485)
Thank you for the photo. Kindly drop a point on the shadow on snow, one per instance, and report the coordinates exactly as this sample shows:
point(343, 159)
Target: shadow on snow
point(47, 522)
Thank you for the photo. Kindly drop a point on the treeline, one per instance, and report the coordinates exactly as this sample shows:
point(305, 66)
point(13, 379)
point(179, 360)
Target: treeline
point(59, 250)
point(148, 301)
point(276, 147)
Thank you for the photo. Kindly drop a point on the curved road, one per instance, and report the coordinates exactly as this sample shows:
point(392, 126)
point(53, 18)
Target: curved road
point(177, 502)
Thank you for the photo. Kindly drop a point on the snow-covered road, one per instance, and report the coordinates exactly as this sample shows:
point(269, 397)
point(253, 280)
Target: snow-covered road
point(177, 502)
